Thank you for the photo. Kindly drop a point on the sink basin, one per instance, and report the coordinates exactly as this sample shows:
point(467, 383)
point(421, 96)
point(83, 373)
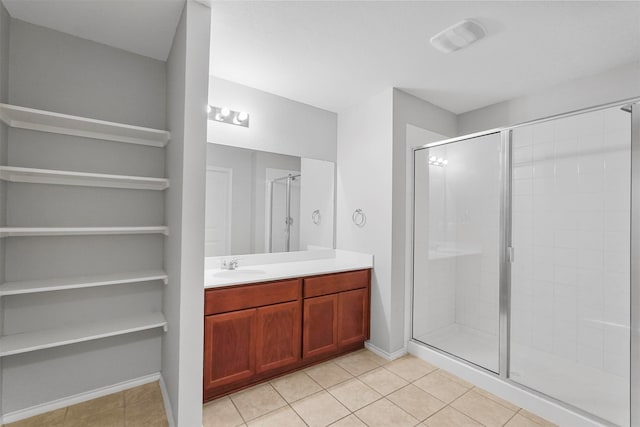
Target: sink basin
point(239, 272)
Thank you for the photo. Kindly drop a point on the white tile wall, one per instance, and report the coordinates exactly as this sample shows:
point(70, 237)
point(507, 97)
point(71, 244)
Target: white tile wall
point(571, 202)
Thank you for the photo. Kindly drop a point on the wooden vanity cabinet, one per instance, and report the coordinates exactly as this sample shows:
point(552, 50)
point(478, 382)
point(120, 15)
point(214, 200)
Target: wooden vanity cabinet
point(258, 331)
point(336, 313)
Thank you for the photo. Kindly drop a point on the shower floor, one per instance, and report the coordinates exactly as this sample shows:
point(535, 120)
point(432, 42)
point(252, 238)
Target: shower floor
point(595, 391)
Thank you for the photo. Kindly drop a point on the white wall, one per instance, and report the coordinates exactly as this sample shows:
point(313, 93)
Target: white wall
point(4, 86)
point(187, 83)
point(317, 193)
point(276, 124)
point(610, 86)
point(93, 80)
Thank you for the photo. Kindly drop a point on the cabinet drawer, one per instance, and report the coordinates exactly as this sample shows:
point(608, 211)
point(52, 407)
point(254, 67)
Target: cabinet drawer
point(334, 283)
point(241, 297)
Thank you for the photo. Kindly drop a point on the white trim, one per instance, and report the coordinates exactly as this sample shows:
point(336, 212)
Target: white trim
point(167, 402)
point(32, 411)
point(537, 404)
point(229, 172)
point(386, 355)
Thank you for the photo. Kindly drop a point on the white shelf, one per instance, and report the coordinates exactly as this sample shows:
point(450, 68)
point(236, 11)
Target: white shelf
point(48, 338)
point(49, 176)
point(47, 121)
point(48, 285)
point(79, 231)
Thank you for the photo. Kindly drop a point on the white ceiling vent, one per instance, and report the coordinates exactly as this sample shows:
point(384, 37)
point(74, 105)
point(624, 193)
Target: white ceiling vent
point(458, 36)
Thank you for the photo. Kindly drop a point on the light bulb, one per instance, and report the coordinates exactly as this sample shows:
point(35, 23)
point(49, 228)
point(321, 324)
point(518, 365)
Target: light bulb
point(224, 112)
point(446, 162)
point(242, 116)
point(208, 109)
point(440, 160)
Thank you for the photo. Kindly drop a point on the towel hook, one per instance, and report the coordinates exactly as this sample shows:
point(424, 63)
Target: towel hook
point(315, 217)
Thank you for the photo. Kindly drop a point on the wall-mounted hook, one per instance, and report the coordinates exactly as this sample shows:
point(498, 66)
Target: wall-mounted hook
point(359, 218)
point(315, 217)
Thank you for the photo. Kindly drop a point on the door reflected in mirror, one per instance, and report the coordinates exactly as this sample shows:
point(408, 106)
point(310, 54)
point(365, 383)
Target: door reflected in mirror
point(260, 202)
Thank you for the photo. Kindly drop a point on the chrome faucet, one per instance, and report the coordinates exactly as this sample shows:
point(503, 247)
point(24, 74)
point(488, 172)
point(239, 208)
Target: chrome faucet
point(229, 265)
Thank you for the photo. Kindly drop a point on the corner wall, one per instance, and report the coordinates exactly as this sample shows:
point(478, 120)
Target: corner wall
point(187, 86)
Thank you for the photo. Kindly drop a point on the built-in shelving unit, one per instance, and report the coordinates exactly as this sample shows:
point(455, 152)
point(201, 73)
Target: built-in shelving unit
point(59, 177)
point(79, 231)
point(48, 285)
point(47, 121)
point(48, 338)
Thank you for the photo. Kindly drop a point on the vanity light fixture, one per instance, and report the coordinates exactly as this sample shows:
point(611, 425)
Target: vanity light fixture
point(458, 36)
point(438, 161)
point(226, 115)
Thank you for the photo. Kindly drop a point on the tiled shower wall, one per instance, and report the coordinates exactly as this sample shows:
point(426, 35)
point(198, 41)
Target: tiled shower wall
point(571, 228)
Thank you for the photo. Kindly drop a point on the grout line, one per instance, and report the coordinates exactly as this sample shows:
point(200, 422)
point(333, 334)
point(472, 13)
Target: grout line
point(235, 406)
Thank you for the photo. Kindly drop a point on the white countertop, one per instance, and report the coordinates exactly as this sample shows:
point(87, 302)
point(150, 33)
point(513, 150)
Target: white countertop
point(257, 268)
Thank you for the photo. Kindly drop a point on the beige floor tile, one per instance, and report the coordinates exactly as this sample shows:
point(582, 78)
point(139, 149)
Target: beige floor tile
point(350, 421)
point(520, 421)
point(148, 413)
point(257, 401)
point(537, 419)
point(482, 409)
point(49, 419)
point(320, 409)
point(284, 417)
point(416, 402)
point(441, 387)
point(89, 409)
point(221, 413)
point(328, 374)
point(449, 417)
point(109, 418)
point(383, 413)
point(143, 393)
point(410, 367)
point(497, 399)
point(354, 394)
point(455, 378)
point(295, 386)
point(360, 362)
point(383, 381)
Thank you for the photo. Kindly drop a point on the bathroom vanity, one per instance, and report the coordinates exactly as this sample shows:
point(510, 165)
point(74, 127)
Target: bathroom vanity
point(259, 330)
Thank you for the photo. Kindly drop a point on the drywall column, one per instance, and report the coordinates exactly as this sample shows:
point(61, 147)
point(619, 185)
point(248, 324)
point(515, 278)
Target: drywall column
point(187, 83)
point(407, 109)
point(364, 181)
point(4, 86)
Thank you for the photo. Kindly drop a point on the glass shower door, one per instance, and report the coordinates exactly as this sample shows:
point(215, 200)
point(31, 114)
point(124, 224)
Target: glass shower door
point(570, 283)
point(457, 203)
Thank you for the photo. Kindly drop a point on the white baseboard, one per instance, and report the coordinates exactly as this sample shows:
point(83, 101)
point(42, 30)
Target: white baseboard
point(32, 411)
point(384, 354)
point(521, 397)
point(167, 402)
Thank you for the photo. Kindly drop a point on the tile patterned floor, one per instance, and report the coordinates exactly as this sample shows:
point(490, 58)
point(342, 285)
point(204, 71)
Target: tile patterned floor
point(135, 407)
point(362, 389)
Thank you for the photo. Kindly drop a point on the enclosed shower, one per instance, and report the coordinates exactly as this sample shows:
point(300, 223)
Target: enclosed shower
point(524, 255)
point(284, 213)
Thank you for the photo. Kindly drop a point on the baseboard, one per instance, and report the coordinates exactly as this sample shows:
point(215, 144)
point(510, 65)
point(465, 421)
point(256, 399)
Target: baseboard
point(386, 355)
point(32, 411)
point(531, 401)
point(167, 402)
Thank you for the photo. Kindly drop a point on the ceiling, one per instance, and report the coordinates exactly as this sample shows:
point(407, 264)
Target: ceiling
point(333, 54)
point(145, 27)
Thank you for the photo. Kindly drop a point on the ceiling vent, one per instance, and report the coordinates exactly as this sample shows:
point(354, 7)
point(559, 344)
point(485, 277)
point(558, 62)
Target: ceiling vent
point(458, 36)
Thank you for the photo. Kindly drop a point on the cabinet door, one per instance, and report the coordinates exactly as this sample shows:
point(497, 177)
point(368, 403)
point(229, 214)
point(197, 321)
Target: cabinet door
point(352, 316)
point(320, 326)
point(229, 347)
point(278, 336)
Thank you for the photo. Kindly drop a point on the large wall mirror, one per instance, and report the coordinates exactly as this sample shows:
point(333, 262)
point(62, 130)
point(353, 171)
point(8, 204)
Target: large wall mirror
point(261, 202)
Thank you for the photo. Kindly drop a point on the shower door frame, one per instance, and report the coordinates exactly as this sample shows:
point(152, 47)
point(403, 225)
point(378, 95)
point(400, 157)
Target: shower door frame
point(507, 255)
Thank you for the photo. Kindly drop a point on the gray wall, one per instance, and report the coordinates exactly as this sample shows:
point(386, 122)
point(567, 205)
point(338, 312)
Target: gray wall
point(4, 87)
point(613, 85)
point(54, 71)
point(185, 200)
